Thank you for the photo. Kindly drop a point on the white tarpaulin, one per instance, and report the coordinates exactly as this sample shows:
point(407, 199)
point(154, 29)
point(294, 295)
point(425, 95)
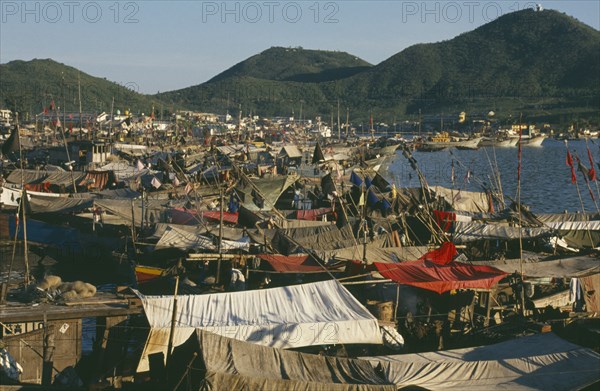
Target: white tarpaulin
point(559, 268)
point(319, 313)
point(467, 201)
point(182, 239)
point(540, 362)
point(470, 232)
point(574, 225)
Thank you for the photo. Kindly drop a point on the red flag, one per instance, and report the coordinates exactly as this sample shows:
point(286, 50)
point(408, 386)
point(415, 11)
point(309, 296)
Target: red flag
point(586, 175)
point(570, 164)
point(45, 110)
point(52, 105)
point(592, 172)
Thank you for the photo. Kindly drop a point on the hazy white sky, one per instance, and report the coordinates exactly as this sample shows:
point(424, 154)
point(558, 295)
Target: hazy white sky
point(167, 45)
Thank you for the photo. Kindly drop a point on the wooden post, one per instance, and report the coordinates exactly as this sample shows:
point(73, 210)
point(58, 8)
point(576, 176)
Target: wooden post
point(173, 321)
point(218, 277)
point(366, 225)
point(48, 354)
point(488, 309)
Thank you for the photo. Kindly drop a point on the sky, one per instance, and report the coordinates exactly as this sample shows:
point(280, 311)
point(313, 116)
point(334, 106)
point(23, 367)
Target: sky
point(158, 46)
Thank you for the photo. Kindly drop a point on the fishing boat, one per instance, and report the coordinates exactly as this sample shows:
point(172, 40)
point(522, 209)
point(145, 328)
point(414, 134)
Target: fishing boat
point(498, 142)
point(443, 140)
point(535, 141)
point(146, 274)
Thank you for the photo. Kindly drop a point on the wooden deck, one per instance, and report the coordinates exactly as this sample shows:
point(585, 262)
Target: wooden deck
point(101, 305)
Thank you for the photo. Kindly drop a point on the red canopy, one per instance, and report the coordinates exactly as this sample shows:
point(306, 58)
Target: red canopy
point(441, 279)
point(311, 214)
point(231, 218)
point(190, 217)
point(291, 263)
point(441, 256)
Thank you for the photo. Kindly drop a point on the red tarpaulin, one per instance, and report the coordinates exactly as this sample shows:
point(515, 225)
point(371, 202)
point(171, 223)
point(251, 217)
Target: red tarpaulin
point(39, 187)
point(441, 256)
point(311, 214)
point(190, 217)
point(441, 279)
point(291, 263)
point(231, 218)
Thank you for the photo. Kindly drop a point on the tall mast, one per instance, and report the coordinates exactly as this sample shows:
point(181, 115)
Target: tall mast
point(112, 106)
point(23, 204)
point(347, 120)
point(338, 122)
point(80, 111)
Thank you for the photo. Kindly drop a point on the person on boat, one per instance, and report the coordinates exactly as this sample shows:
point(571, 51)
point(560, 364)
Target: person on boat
point(237, 281)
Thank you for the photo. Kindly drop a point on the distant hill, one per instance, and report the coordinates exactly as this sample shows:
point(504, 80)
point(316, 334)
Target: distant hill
point(29, 86)
point(545, 65)
point(296, 64)
point(538, 63)
point(523, 55)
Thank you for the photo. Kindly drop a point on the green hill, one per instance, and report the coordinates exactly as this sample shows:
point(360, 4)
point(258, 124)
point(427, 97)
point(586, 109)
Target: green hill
point(544, 64)
point(296, 64)
point(29, 86)
point(523, 55)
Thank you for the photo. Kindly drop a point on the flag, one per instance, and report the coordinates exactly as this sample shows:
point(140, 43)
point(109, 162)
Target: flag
point(372, 199)
point(156, 183)
point(468, 176)
point(361, 202)
point(592, 171)
point(570, 164)
point(139, 165)
point(385, 205)
point(52, 105)
point(175, 182)
point(586, 175)
point(318, 154)
point(12, 145)
point(368, 182)
point(355, 179)
point(452, 174)
point(188, 188)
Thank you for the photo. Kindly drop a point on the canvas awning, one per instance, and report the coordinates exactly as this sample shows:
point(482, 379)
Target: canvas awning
point(182, 239)
point(299, 263)
point(538, 362)
point(319, 313)
point(262, 194)
point(241, 365)
point(462, 200)
point(470, 232)
point(539, 268)
point(426, 275)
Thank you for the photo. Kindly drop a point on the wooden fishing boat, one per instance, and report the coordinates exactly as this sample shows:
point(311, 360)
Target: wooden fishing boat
point(443, 140)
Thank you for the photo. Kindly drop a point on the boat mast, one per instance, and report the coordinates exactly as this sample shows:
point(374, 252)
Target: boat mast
point(80, 111)
point(338, 121)
point(23, 204)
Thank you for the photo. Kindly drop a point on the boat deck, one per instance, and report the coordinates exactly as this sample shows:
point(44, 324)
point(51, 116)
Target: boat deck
point(101, 305)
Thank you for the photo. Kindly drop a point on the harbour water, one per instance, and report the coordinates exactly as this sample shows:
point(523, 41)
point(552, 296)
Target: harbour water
point(545, 178)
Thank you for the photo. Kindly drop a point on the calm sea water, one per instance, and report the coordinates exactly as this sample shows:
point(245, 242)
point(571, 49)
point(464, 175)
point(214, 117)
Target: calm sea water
point(545, 178)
